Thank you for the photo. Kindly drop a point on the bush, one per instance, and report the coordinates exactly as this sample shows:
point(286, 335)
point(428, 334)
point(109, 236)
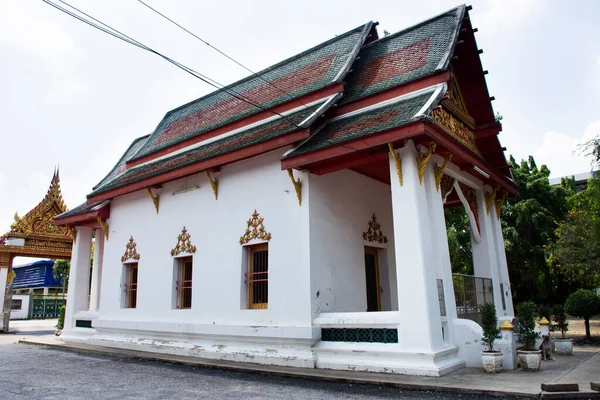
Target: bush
point(560, 320)
point(526, 313)
point(583, 304)
point(61, 318)
point(489, 323)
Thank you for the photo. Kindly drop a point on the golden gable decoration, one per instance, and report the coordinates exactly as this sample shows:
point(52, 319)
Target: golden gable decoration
point(40, 220)
point(255, 229)
point(184, 245)
point(374, 234)
point(130, 251)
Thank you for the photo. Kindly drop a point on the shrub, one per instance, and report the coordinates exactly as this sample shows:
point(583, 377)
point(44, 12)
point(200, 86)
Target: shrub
point(583, 304)
point(489, 323)
point(526, 313)
point(61, 318)
point(560, 320)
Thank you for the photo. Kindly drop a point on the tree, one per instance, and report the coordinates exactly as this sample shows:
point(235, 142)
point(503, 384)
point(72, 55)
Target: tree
point(583, 304)
point(577, 250)
point(61, 270)
point(459, 240)
point(529, 222)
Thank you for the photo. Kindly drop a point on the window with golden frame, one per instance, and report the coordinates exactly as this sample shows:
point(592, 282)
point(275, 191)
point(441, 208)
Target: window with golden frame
point(131, 282)
point(257, 276)
point(184, 283)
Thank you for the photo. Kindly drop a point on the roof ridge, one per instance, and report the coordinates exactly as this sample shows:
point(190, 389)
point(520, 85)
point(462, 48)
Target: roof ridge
point(135, 141)
point(461, 8)
point(269, 68)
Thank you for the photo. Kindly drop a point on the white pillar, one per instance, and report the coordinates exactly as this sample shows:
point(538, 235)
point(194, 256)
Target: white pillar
point(420, 326)
point(439, 238)
point(501, 262)
point(79, 276)
point(485, 261)
point(97, 270)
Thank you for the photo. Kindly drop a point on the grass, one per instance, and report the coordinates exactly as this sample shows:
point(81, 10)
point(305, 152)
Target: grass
point(577, 331)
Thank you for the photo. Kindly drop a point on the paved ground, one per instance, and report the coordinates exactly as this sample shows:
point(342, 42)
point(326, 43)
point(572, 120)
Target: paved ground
point(36, 372)
point(111, 373)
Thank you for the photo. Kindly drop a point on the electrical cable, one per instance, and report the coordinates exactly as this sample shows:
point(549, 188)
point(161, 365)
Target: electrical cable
point(221, 52)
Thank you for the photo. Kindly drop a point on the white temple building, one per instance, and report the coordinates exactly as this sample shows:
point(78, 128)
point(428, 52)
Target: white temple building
point(307, 231)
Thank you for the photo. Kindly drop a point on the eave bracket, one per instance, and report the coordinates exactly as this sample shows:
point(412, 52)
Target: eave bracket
point(397, 162)
point(214, 183)
point(155, 198)
point(103, 225)
point(297, 186)
point(439, 171)
point(422, 160)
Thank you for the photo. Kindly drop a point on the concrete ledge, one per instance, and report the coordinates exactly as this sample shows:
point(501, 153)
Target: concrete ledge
point(369, 378)
point(560, 387)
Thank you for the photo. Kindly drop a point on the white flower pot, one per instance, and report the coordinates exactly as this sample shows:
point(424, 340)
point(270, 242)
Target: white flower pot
point(492, 361)
point(563, 346)
point(530, 360)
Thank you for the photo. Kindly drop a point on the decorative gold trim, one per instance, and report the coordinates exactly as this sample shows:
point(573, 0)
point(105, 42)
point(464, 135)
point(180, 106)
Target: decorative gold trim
point(155, 198)
point(104, 226)
point(255, 229)
point(184, 245)
point(374, 233)
point(297, 186)
point(500, 203)
point(422, 160)
point(73, 230)
point(130, 251)
point(544, 322)
point(397, 162)
point(455, 128)
point(214, 183)
point(439, 171)
point(489, 199)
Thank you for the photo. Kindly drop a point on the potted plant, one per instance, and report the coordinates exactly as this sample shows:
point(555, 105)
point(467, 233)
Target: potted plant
point(529, 358)
point(492, 359)
point(563, 345)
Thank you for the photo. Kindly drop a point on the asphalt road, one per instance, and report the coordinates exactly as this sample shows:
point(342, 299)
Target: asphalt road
point(30, 372)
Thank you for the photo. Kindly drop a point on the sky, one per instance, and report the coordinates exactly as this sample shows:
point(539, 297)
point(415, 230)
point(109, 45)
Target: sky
point(74, 97)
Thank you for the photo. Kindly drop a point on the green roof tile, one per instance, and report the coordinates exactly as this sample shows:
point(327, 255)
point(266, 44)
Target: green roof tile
point(277, 128)
point(314, 69)
point(338, 131)
point(405, 56)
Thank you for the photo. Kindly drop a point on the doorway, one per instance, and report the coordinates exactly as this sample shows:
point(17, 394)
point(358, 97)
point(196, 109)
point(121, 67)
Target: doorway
point(372, 279)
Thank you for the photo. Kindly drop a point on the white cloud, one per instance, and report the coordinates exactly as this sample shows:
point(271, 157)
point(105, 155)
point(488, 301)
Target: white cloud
point(559, 151)
point(598, 61)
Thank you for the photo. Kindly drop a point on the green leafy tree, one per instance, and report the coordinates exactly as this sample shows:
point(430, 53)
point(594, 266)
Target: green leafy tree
point(60, 270)
point(459, 240)
point(583, 304)
point(529, 221)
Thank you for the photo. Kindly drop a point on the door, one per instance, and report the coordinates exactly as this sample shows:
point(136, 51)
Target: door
point(372, 279)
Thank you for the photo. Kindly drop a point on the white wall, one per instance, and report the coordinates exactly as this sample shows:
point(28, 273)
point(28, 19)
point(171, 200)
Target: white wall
point(341, 206)
point(215, 227)
point(23, 313)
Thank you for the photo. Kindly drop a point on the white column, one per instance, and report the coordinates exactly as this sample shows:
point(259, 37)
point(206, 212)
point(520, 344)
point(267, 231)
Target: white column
point(79, 275)
point(97, 270)
point(501, 261)
point(420, 326)
point(485, 262)
point(439, 238)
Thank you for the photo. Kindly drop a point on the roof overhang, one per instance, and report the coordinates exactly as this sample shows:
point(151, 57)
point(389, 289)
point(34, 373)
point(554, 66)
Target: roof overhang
point(88, 218)
point(368, 149)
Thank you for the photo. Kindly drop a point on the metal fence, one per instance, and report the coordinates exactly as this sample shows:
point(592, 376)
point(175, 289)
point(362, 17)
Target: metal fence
point(471, 292)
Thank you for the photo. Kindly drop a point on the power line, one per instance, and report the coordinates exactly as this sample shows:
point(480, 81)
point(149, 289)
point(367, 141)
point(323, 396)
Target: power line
point(221, 52)
point(119, 35)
